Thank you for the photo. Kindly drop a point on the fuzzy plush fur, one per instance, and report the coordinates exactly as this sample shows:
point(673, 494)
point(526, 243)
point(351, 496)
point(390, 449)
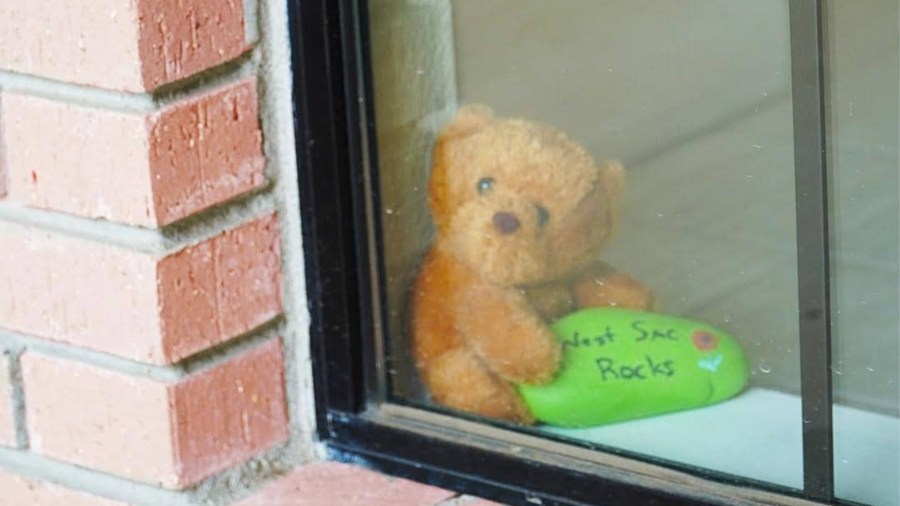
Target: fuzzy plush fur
point(521, 213)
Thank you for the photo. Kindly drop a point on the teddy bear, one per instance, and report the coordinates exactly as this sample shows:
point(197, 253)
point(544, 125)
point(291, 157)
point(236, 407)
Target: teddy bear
point(520, 212)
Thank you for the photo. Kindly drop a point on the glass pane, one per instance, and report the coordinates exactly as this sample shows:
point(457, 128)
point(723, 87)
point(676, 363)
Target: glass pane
point(864, 78)
point(495, 228)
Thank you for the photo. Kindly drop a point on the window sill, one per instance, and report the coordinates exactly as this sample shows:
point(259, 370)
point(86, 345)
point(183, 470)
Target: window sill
point(333, 483)
point(768, 446)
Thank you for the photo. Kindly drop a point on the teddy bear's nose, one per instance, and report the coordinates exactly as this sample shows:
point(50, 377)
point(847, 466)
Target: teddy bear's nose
point(506, 223)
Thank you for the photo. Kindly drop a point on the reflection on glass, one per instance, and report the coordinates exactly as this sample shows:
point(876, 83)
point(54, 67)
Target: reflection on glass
point(864, 78)
point(694, 99)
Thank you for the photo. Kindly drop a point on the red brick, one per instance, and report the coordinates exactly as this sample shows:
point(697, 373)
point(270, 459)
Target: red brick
point(148, 169)
point(168, 434)
point(133, 304)
point(220, 288)
point(205, 151)
point(326, 483)
point(130, 45)
point(20, 491)
point(229, 413)
point(180, 39)
point(7, 425)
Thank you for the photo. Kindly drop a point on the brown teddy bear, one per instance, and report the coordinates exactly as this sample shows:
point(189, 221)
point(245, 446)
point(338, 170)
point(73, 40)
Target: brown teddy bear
point(521, 212)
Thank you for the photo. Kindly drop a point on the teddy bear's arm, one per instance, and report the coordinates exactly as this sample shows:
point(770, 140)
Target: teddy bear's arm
point(603, 286)
point(508, 335)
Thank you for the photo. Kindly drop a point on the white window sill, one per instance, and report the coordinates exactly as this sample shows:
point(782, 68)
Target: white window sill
point(759, 435)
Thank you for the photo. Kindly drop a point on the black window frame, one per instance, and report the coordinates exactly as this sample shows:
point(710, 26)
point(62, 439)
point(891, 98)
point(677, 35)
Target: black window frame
point(334, 128)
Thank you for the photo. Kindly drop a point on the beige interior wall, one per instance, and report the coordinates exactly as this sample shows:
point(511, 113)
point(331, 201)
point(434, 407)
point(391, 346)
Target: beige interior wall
point(865, 178)
point(415, 93)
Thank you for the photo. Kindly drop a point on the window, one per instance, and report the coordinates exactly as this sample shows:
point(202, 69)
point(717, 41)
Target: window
point(758, 141)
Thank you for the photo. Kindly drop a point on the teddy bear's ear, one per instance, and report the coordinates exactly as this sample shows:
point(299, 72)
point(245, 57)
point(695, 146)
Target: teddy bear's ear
point(469, 120)
point(612, 176)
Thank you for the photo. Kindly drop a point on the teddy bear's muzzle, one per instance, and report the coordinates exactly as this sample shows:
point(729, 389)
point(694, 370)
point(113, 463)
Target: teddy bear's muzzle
point(506, 223)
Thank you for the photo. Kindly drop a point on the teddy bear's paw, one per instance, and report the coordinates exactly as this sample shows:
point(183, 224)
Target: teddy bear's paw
point(551, 300)
point(459, 380)
point(532, 366)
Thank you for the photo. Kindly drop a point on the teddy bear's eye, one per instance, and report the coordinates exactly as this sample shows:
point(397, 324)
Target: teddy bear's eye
point(485, 185)
point(543, 215)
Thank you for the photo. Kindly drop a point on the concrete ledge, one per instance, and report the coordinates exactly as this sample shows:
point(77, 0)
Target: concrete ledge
point(327, 483)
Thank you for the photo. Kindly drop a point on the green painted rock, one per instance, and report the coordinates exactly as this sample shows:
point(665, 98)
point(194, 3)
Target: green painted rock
point(620, 364)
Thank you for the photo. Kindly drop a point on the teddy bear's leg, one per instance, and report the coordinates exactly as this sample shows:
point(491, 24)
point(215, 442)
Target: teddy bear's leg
point(457, 379)
point(613, 290)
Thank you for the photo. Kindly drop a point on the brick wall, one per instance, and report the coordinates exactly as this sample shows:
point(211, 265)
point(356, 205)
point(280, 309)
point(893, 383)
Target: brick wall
point(148, 222)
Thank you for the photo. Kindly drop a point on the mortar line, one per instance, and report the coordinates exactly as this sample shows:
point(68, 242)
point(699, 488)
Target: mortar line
point(89, 481)
point(4, 177)
point(457, 500)
point(76, 94)
point(125, 102)
point(251, 22)
point(171, 373)
point(219, 218)
point(160, 242)
point(18, 396)
point(277, 123)
point(215, 77)
point(90, 357)
point(117, 234)
point(248, 478)
point(235, 483)
point(225, 351)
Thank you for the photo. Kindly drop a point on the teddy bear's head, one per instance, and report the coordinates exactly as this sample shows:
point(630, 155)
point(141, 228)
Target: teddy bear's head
point(518, 201)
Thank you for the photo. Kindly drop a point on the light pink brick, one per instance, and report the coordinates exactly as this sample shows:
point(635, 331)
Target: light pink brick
point(75, 159)
point(148, 169)
point(87, 42)
point(20, 491)
point(99, 419)
point(326, 483)
point(78, 292)
point(130, 45)
point(136, 305)
point(7, 424)
point(167, 434)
